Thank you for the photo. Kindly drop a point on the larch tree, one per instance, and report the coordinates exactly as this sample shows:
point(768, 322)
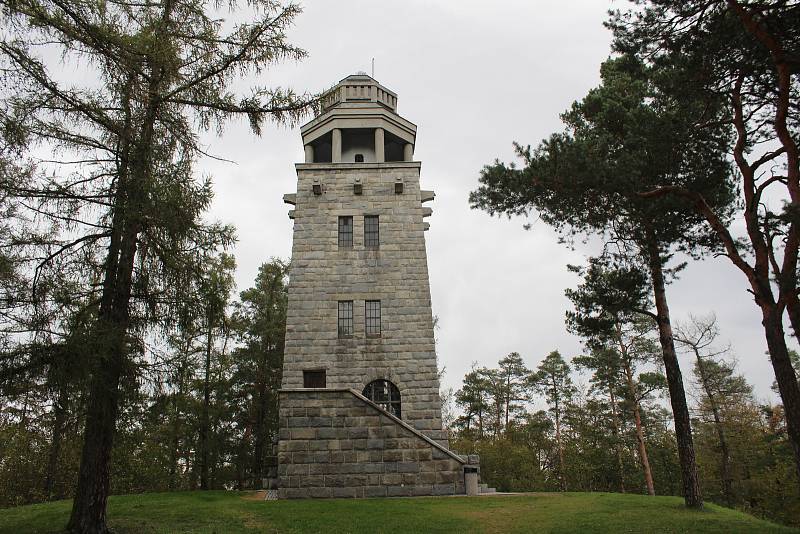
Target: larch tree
point(125, 139)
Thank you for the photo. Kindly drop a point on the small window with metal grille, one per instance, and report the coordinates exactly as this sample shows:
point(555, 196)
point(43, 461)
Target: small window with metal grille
point(314, 379)
point(372, 238)
point(372, 314)
point(346, 231)
point(345, 318)
point(359, 158)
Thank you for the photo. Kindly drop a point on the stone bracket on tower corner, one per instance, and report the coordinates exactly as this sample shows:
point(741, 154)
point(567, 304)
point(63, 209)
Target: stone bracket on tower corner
point(426, 196)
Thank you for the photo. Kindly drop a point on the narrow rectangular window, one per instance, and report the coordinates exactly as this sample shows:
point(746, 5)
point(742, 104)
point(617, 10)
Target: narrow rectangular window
point(346, 232)
point(345, 318)
point(371, 232)
point(372, 313)
point(314, 379)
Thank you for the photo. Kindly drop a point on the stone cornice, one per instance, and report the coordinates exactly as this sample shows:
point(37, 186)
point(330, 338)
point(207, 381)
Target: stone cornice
point(348, 166)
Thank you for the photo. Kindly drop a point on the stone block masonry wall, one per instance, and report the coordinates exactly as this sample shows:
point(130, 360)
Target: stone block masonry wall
point(396, 274)
point(336, 443)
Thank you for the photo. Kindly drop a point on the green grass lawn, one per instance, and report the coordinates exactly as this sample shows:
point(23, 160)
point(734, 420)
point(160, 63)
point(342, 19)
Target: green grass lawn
point(231, 512)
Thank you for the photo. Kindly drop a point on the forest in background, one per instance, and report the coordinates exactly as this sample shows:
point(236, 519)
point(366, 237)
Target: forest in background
point(599, 422)
point(127, 364)
point(198, 409)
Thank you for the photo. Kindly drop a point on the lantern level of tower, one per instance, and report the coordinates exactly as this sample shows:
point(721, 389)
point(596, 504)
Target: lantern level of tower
point(359, 124)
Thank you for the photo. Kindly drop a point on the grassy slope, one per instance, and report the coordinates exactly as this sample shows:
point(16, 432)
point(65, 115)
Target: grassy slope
point(228, 512)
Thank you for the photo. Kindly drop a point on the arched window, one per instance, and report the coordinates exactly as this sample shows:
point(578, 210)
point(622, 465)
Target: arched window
point(384, 394)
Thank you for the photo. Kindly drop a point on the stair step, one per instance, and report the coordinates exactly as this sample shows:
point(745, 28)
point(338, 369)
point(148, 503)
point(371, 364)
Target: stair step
point(488, 490)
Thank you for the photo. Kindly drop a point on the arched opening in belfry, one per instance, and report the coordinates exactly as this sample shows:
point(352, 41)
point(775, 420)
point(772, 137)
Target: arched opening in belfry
point(384, 394)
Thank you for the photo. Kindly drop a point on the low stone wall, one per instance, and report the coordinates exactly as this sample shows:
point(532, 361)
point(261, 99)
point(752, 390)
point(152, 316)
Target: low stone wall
point(337, 443)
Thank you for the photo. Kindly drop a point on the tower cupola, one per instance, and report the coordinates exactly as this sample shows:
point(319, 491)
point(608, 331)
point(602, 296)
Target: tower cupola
point(358, 124)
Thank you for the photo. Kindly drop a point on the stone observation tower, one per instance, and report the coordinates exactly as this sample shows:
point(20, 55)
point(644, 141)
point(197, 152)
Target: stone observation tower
point(360, 414)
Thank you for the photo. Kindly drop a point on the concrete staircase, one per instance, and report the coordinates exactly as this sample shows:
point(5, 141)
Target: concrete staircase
point(485, 489)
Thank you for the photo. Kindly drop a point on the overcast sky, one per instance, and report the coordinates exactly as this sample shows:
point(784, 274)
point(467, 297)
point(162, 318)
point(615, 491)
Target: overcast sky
point(474, 76)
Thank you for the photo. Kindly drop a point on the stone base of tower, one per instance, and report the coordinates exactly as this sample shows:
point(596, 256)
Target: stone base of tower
point(337, 443)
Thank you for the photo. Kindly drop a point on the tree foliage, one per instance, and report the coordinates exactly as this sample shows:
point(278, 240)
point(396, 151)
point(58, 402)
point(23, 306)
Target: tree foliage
point(600, 434)
point(624, 135)
point(743, 57)
point(120, 206)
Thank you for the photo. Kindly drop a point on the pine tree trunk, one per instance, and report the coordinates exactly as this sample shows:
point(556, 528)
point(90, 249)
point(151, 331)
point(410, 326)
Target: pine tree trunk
point(508, 402)
point(637, 420)
point(793, 310)
point(260, 427)
point(759, 274)
point(176, 423)
point(725, 462)
point(637, 416)
point(205, 416)
point(784, 376)
point(173, 466)
point(617, 442)
point(562, 470)
point(239, 473)
point(498, 421)
point(60, 413)
point(680, 410)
